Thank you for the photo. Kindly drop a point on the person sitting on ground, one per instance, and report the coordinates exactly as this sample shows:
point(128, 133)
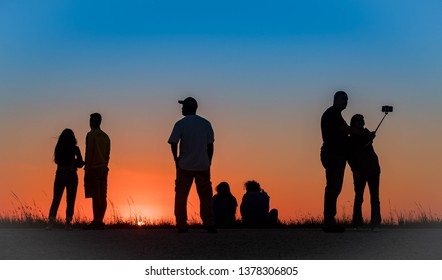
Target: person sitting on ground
point(224, 206)
point(255, 207)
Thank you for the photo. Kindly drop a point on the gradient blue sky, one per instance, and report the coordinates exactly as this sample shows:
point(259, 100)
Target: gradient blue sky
point(263, 72)
point(250, 45)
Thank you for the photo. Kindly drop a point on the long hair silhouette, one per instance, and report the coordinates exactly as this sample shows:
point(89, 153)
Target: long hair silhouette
point(65, 148)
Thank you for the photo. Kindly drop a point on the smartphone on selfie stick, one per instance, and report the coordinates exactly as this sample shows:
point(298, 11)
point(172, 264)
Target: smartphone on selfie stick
point(386, 109)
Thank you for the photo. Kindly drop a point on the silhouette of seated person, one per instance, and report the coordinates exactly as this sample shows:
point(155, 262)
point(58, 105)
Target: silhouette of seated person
point(224, 206)
point(255, 206)
point(365, 166)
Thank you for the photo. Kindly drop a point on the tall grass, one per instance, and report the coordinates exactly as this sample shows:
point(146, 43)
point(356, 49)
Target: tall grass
point(25, 215)
point(418, 217)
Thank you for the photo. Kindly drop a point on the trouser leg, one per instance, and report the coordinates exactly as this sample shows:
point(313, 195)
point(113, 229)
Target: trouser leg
point(99, 199)
point(334, 170)
point(59, 185)
point(359, 187)
point(71, 194)
point(205, 193)
point(103, 194)
point(373, 185)
point(183, 184)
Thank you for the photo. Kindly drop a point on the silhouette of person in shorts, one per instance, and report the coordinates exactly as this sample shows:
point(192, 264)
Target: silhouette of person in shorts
point(96, 170)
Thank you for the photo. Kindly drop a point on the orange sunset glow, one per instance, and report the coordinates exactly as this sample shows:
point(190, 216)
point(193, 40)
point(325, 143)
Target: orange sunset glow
point(281, 151)
point(262, 78)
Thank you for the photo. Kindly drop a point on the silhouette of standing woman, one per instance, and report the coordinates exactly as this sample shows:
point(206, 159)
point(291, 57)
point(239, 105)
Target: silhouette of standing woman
point(366, 170)
point(68, 158)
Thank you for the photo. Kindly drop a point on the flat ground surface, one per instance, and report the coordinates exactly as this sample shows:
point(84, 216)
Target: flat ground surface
point(227, 244)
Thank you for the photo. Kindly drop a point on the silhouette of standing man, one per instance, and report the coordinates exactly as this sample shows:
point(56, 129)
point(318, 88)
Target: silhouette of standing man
point(96, 170)
point(195, 137)
point(333, 157)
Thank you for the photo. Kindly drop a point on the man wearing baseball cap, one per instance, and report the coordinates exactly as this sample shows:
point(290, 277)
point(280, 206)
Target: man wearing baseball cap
point(195, 137)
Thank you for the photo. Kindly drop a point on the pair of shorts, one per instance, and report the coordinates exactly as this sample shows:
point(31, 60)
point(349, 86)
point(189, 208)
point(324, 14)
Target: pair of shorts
point(95, 182)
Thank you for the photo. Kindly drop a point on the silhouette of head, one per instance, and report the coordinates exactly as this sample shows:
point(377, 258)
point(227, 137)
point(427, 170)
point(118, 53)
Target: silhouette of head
point(95, 120)
point(357, 121)
point(252, 186)
point(189, 106)
point(67, 137)
point(340, 100)
point(63, 150)
point(223, 188)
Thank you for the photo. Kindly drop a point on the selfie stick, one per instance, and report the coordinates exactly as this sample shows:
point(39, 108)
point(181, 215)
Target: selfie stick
point(386, 113)
point(386, 109)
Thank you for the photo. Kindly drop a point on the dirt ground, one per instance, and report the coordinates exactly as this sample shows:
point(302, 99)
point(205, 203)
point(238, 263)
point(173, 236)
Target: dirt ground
point(227, 244)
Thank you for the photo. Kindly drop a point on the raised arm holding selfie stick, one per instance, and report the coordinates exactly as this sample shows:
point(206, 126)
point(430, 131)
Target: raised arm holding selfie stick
point(386, 109)
point(364, 163)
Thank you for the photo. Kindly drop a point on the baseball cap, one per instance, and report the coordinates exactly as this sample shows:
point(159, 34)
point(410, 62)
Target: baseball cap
point(189, 102)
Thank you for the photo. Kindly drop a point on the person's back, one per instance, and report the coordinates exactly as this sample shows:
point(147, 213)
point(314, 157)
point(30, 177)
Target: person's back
point(255, 208)
point(334, 138)
point(224, 209)
point(195, 132)
point(362, 157)
point(97, 149)
point(66, 159)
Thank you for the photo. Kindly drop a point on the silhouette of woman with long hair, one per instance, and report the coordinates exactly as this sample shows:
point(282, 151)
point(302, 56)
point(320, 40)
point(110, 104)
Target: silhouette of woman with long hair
point(68, 158)
point(224, 206)
point(364, 163)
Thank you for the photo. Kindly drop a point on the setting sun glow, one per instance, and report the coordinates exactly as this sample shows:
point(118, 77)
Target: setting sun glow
point(262, 75)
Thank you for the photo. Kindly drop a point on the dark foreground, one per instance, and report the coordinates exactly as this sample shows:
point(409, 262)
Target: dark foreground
point(227, 244)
